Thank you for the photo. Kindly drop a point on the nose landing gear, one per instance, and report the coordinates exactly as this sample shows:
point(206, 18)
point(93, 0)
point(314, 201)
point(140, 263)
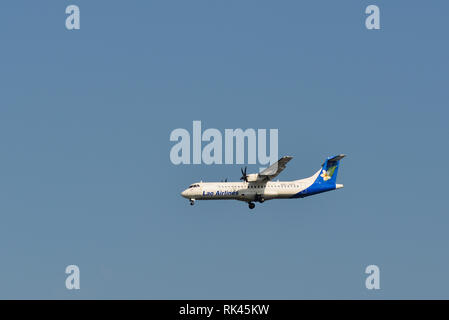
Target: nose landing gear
point(192, 202)
point(251, 205)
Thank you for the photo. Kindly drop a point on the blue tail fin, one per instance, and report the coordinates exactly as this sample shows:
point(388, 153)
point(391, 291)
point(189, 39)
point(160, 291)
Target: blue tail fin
point(329, 171)
point(325, 179)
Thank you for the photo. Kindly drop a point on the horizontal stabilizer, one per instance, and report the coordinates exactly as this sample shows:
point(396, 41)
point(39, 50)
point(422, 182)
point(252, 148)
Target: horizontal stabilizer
point(336, 158)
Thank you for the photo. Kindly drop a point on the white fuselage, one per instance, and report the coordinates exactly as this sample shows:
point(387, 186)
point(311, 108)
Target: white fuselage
point(249, 191)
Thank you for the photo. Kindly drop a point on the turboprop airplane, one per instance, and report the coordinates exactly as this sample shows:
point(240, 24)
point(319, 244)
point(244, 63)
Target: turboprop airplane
point(259, 187)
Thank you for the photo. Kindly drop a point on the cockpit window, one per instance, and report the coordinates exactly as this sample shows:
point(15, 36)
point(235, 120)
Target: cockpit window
point(194, 186)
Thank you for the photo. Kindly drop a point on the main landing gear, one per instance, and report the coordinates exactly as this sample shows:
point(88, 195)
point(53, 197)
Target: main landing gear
point(259, 198)
point(192, 202)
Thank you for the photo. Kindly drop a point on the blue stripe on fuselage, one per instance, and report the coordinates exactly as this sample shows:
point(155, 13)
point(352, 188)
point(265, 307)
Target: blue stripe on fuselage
point(314, 189)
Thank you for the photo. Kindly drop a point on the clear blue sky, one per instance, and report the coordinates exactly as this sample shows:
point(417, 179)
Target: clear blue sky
point(85, 174)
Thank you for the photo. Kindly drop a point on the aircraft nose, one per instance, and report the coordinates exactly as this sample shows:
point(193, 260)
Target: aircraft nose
point(184, 193)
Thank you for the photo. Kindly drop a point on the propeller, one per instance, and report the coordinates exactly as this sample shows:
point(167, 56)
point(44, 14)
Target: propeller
point(244, 176)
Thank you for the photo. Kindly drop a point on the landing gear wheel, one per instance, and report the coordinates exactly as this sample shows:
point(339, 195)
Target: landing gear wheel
point(192, 202)
point(251, 205)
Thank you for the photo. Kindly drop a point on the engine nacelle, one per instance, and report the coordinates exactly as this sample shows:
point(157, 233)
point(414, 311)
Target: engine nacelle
point(253, 177)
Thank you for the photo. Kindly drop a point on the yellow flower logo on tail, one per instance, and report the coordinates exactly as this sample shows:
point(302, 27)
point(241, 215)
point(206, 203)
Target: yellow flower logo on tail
point(326, 175)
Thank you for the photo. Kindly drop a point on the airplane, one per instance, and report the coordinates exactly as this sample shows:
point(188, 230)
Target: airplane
point(259, 187)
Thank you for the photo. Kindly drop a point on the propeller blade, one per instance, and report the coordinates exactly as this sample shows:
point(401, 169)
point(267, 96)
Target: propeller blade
point(244, 176)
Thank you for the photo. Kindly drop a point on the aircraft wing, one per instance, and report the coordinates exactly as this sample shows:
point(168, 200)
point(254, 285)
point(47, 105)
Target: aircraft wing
point(276, 168)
